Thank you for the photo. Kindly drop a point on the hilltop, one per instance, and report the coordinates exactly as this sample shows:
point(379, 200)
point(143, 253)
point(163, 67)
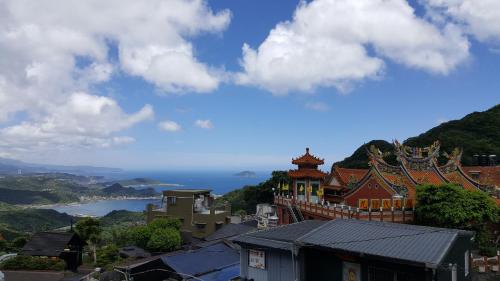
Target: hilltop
point(477, 132)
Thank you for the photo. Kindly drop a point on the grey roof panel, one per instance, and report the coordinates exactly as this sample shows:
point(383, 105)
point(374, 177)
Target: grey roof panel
point(229, 230)
point(411, 243)
point(398, 241)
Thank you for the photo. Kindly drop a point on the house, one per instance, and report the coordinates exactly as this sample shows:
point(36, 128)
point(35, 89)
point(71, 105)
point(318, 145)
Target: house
point(355, 250)
point(195, 208)
point(215, 262)
point(64, 245)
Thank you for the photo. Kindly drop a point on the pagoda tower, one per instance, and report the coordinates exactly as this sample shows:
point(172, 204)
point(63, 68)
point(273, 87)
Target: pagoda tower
point(307, 178)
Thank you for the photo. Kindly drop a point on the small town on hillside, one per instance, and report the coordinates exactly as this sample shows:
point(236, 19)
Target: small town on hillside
point(225, 140)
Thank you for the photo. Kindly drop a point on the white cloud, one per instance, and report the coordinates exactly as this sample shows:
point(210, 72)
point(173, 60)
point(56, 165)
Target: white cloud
point(204, 124)
point(338, 42)
point(83, 121)
point(51, 62)
point(480, 18)
point(317, 106)
point(169, 126)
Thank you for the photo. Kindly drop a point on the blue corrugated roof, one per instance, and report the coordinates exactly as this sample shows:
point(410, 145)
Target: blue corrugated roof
point(224, 274)
point(203, 260)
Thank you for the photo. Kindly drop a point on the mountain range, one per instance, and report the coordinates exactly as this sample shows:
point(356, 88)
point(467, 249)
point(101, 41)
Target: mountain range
point(11, 166)
point(476, 133)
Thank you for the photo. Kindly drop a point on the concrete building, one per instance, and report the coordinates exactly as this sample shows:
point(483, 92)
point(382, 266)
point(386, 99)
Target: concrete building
point(195, 208)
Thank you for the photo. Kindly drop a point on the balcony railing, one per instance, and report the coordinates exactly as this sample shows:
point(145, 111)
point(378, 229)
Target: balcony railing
point(340, 211)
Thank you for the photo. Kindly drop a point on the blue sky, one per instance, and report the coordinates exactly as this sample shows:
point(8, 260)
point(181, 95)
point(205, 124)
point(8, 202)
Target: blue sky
point(261, 124)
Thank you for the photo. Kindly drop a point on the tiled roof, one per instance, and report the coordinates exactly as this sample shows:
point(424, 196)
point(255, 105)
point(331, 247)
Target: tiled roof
point(308, 159)
point(349, 175)
point(488, 175)
point(457, 178)
point(426, 177)
point(50, 244)
point(306, 173)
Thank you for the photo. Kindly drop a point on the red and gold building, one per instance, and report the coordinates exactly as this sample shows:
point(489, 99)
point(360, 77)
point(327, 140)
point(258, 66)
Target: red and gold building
point(383, 192)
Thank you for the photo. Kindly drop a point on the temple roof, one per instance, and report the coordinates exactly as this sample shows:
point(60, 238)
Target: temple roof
point(486, 175)
point(349, 175)
point(306, 173)
point(308, 159)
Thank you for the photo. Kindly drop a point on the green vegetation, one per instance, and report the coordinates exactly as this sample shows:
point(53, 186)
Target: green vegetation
point(478, 132)
point(135, 182)
point(33, 263)
point(451, 206)
point(359, 159)
point(32, 220)
point(60, 188)
point(121, 217)
point(248, 197)
point(89, 229)
point(104, 241)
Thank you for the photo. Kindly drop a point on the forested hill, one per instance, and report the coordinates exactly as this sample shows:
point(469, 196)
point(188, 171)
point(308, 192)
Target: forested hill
point(478, 132)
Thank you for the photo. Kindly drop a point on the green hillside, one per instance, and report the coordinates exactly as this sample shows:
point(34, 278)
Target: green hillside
point(33, 220)
point(478, 132)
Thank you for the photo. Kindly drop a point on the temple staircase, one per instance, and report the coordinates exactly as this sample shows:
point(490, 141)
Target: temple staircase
point(295, 212)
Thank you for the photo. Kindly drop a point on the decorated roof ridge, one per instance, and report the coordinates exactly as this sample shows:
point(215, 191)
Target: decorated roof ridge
point(407, 173)
point(308, 159)
point(439, 172)
point(469, 179)
point(416, 154)
point(393, 187)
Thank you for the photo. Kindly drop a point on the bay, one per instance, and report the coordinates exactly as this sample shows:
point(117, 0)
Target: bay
point(220, 182)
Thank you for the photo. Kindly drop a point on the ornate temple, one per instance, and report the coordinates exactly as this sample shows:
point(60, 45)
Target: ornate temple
point(383, 192)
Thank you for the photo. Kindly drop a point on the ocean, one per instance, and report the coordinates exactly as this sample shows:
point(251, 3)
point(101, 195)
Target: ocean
point(220, 182)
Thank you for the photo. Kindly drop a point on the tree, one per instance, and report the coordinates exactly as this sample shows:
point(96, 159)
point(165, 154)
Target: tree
point(451, 206)
point(163, 240)
point(161, 223)
point(89, 229)
point(107, 255)
point(19, 242)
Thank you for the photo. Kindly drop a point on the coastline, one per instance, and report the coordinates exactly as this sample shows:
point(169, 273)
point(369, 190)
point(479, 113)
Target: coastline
point(86, 200)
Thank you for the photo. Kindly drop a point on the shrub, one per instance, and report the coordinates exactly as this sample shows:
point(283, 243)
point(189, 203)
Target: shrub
point(163, 240)
point(163, 223)
point(33, 263)
point(107, 255)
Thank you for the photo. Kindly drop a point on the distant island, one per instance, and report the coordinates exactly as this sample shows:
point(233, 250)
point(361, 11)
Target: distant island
point(246, 174)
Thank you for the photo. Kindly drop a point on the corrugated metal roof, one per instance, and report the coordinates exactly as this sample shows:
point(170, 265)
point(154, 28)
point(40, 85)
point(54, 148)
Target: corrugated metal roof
point(230, 230)
point(413, 243)
point(224, 274)
point(203, 260)
point(281, 237)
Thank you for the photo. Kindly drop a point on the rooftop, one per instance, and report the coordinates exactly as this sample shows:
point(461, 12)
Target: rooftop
point(50, 244)
point(308, 159)
point(407, 243)
point(187, 191)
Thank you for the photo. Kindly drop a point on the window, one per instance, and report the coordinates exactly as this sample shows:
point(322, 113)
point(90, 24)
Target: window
point(171, 200)
point(466, 262)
